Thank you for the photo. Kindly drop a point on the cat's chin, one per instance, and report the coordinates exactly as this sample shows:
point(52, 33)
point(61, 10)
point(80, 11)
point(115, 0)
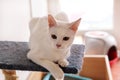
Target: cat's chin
point(59, 48)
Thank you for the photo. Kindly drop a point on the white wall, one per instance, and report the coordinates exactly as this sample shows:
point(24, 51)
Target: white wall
point(53, 6)
point(39, 8)
point(116, 30)
point(14, 18)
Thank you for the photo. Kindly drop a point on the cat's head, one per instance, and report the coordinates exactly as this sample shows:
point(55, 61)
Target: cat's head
point(62, 33)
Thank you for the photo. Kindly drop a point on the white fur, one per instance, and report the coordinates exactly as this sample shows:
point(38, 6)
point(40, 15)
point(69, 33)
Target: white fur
point(43, 48)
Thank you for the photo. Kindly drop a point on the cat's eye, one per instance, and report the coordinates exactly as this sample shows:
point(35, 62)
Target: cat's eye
point(66, 38)
point(54, 36)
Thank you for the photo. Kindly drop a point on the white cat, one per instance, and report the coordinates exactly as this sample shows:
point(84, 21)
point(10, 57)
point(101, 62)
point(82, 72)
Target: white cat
point(50, 41)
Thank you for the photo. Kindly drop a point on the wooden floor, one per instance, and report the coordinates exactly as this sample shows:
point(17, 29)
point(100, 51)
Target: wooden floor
point(116, 70)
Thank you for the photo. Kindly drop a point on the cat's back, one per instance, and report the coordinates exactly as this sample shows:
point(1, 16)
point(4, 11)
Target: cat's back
point(39, 32)
point(38, 24)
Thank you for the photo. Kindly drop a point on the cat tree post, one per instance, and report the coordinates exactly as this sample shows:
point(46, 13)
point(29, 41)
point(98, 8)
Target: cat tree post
point(10, 74)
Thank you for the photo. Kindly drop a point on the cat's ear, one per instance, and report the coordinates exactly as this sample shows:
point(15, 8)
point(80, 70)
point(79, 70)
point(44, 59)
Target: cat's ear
point(75, 25)
point(51, 21)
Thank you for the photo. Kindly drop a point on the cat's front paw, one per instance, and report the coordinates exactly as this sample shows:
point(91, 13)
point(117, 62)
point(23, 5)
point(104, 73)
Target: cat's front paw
point(63, 63)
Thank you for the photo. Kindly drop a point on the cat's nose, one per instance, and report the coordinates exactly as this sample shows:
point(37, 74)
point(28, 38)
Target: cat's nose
point(58, 45)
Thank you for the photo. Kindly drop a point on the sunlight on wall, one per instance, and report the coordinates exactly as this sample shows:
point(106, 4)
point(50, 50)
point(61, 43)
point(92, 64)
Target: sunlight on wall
point(95, 14)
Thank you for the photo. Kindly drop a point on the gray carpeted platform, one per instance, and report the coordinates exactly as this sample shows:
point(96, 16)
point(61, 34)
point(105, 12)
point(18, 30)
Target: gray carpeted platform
point(13, 57)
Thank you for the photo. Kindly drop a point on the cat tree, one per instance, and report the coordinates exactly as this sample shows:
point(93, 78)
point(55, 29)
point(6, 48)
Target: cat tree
point(13, 57)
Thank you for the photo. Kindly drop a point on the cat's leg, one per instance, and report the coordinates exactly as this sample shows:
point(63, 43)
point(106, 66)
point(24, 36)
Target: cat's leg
point(54, 69)
point(63, 62)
